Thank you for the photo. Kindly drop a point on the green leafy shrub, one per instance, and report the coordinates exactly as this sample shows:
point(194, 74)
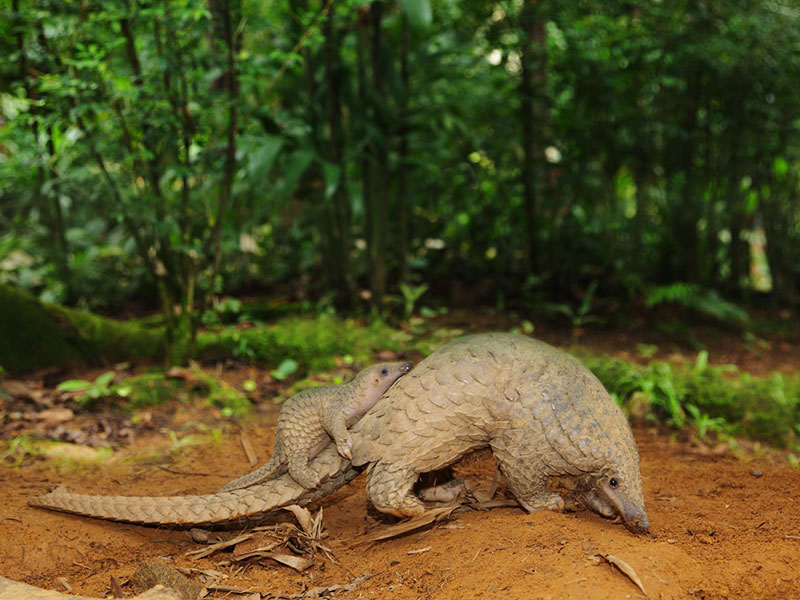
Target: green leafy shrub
point(709, 398)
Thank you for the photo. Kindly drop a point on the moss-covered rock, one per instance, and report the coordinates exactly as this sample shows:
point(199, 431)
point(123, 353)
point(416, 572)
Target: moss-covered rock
point(34, 334)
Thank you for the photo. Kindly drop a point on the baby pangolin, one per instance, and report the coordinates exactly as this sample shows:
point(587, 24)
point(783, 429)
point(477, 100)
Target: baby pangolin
point(310, 419)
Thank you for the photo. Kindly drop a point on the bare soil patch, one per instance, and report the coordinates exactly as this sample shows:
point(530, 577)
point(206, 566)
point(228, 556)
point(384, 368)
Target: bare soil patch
point(722, 527)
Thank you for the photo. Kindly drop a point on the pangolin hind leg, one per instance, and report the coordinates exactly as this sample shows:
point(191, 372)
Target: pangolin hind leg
point(301, 472)
point(389, 489)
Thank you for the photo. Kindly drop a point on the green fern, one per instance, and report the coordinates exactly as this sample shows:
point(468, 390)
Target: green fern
point(698, 299)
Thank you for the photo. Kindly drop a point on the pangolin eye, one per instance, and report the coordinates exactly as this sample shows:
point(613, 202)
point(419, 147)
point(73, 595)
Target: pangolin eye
point(613, 482)
point(384, 371)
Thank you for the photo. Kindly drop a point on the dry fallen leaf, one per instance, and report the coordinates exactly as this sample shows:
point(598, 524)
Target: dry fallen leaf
point(63, 581)
point(394, 531)
point(54, 416)
point(589, 549)
point(623, 566)
point(298, 563)
point(243, 551)
point(326, 591)
point(303, 516)
point(248, 449)
point(116, 588)
point(208, 550)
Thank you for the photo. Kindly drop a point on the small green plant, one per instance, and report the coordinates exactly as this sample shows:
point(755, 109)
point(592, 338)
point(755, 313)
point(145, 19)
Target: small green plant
point(703, 423)
point(646, 350)
point(179, 443)
point(225, 310)
point(18, 448)
point(579, 317)
point(755, 344)
point(243, 348)
point(287, 367)
point(89, 391)
point(221, 394)
point(711, 398)
point(411, 294)
point(148, 389)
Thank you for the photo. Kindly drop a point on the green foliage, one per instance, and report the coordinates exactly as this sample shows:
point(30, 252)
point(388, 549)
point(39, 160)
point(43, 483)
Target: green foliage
point(152, 389)
point(147, 390)
point(221, 394)
point(19, 448)
point(579, 316)
point(178, 444)
point(703, 301)
point(88, 392)
point(418, 12)
point(152, 153)
point(311, 342)
point(709, 398)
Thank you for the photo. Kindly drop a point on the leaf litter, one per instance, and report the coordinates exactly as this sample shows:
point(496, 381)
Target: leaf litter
point(283, 543)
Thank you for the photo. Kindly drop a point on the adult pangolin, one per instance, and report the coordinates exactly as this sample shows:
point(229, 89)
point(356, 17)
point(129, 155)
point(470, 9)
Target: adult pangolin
point(542, 413)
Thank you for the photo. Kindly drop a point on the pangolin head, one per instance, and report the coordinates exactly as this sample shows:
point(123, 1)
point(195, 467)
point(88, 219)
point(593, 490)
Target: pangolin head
point(618, 492)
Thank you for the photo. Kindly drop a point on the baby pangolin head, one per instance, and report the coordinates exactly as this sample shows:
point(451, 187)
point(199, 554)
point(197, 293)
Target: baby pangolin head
point(375, 380)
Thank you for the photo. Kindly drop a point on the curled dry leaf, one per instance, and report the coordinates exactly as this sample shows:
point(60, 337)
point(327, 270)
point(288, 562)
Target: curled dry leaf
point(303, 516)
point(623, 566)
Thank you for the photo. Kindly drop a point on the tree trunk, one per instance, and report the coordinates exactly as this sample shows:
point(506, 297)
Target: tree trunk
point(402, 175)
point(377, 213)
point(338, 207)
point(50, 206)
point(532, 79)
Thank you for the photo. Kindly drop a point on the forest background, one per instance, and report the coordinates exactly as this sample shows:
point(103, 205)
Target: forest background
point(589, 162)
point(164, 153)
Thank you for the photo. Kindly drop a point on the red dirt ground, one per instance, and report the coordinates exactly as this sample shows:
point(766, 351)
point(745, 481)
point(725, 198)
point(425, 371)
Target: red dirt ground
point(722, 527)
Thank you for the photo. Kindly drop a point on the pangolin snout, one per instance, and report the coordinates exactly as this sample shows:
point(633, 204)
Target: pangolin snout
point(634, 517)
